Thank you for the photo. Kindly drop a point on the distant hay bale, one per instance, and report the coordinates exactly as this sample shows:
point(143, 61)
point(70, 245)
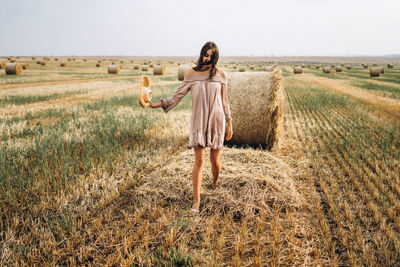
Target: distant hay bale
point(374, 64)
point(56, 59)
point(151, 65)
point(13, 69)
point(339, 69)
point(317, 67)
point(297, 70)
point(145, 68)
point(308, 66)
point(342, 65)
point(38, 62)
point(269, 68)
point(98, 65)
point(252, 94)
point(33, 58)
point(25, 66)
point(365, 66)
point(63, 64)
point(326, 69)
point(382, 69)
point(13, 60)
point(113, 69)
point(333, 66)
point(121, 61)
point(137, 67)
point(159, 70)
point(242, 69)
point(390, 66)
point(348, 67)
point(182, 71)
point(252, 67)
point(375, 72)
point(234, 67)
point(84, 60)
point(303, 66)
point(68, 59)
point(43, 63)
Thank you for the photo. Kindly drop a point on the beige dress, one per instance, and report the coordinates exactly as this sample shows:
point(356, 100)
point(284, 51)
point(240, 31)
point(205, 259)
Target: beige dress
point(210, 109)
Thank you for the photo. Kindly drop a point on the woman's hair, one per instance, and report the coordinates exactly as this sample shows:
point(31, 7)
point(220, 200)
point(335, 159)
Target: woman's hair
point(214, 58)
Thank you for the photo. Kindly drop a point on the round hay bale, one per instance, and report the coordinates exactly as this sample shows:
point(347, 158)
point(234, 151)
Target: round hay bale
point(242, 69)
point(326, 69)
point(159, 70)
point(348, 67)
point(13, 69)
point(84, 60)
point(98, 65)
point(56, 59)
point(339, 69)
point(43, 63)
point(317, 67)
point(63, 64)
point(390, 66)
point(303, 66)
point(13, 60)
point(375, 72)
point(113, 69)
point(137, 67)
point(38, 62)
point(151, 65)
point(297, 70)
point(269, 68)
point(2, 65)
point(252, 67)
point(235, 67)
point(25, 66)
point(182, 71)
point(121, 61)
point(333, 66)
point(145, 68)
point(33, 58)
point(365, 66)
point(252, 94)
point(374, 64)
point(382, 69)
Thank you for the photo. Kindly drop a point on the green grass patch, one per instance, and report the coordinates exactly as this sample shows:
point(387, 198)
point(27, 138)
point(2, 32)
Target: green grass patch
point(387, 91)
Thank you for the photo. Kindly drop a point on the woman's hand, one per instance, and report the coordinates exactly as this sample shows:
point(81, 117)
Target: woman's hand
point(230, 131)
point(155, 105)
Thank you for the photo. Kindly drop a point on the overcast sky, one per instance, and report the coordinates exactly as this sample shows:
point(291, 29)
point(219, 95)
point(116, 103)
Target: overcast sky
point(181, 27)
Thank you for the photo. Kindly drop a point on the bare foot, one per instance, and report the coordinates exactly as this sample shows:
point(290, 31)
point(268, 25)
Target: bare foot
point(215, 185)
point(195, 207)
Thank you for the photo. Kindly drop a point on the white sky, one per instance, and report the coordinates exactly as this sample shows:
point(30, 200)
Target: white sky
point(181, 27)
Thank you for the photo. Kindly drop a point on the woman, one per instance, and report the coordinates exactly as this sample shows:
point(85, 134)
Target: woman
point(210, 110)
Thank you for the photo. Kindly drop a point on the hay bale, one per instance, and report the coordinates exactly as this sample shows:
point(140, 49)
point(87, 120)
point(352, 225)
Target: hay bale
point(182, 71)
point(43, 63)
point(137, 67)
point(375, 72)
point(382, 69)
point(317, 67)
point(145, 68)
point(25, 66)
point(38, 62)
point(252, 94)
point(303, 66)
point(365, 66)
point(297, 70)
point(84, 60)
point(151, 65)
point(13, 69)
point(374, 65)
point(235, 67)
point(63, 64)
point(56, 59)
point(326, 69)
point(33, 58)
point(333, 66)
point(113, 69)
point(269, 68)
point(13, 60)
point(242, 69)
point(98, 65)
point(2, 65)
point(339, 69)
point(159, 70)
point(348, 67)
point(390, 66)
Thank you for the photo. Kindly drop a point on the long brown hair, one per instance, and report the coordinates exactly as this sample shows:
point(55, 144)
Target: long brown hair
point(214, 58)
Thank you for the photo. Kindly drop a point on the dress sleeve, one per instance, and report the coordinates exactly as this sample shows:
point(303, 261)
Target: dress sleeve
point(225, 101)
point(170, 102)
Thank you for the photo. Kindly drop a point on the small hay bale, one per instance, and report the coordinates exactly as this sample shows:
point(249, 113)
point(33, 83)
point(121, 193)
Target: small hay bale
point(303, 66)
point(43, 63)
point(68, 59)
point(182, 71)
point(13, 69)
point(121, 62)
point(33, 58)
point(145, 68)
point(38, 62)
point(56, 59)
point(98, 65)
point(84, 60)
point(137, 67)
point(235, 67)
point(159, 70)
point(375, 72)
point(151, 65)
point(339, 69)
point(374, 65)
point(113, 69)
point(317, 67)
point(252, 67)
point(242, 69)
point(326, 69)
point(382, 69)
point(268, 68)
point(25, 66)
point(63, 64)
point(252, 94)
point(348, 67)
point(333, 66)
point(390, 66)
point(365, 66)
point(297, 70)
point(13, 60)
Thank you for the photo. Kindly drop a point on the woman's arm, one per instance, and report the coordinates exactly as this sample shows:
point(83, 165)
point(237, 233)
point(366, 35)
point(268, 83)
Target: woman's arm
point(156, 105)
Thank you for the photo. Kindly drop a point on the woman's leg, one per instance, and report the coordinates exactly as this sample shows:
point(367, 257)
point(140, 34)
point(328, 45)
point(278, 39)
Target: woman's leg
point(215, 165)
point(197, 175)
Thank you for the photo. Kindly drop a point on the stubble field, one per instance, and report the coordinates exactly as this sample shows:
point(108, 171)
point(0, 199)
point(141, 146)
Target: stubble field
point(88, 177)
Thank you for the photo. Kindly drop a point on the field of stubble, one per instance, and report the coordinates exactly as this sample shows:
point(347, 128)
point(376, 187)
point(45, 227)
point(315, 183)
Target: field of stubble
point(88, 177)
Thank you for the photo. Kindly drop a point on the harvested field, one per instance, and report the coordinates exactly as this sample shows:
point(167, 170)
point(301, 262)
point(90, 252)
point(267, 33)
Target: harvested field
point(88, 177)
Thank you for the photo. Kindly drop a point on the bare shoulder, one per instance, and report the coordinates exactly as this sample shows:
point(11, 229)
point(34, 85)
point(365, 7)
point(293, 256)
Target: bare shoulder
point(189, 72)
point(222, 73)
